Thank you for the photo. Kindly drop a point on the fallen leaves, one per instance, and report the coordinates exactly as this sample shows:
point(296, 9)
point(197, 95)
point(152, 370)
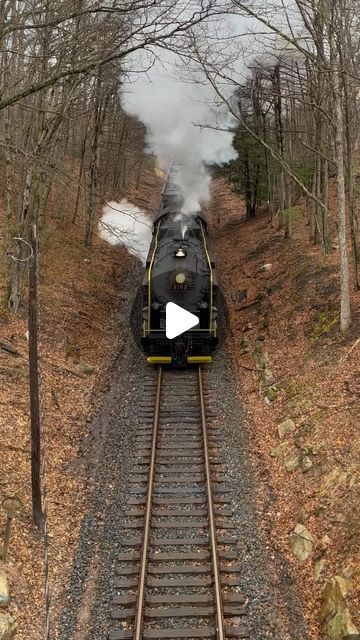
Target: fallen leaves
point(318, 386)
point(80, 292)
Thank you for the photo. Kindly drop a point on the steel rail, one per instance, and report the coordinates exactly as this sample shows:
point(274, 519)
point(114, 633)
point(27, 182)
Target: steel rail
point(145, 548)
point(220, 630)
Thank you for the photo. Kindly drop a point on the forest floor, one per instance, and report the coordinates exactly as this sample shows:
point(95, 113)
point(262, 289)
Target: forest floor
point(282, 298)
point(290, 360)
point(81, 292)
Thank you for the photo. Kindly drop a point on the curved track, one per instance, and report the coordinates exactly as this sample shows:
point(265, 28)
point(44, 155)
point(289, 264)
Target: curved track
point(178, 576)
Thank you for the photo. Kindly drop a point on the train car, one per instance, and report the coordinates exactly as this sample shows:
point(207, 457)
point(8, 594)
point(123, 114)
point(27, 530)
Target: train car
point(179, 269)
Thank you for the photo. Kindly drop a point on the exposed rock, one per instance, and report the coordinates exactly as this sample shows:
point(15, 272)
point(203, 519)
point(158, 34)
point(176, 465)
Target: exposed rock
point(245, 342)
point(73, 353)
point(348, 572)
point(314, 447)
point(87, 369)
point(260, 356)
point(266, 376)
point(265, 267)
point(287, 426)
point(304, 446)
point(292, 463)
point(319, 569)
point(310, 448)
point(336, 623)
point(323, 324)
point(306, 464)
point(271, 393)
point(4, 589)
point(301, 542)
point(7, 627)
point(302, 515)
point(281, 448)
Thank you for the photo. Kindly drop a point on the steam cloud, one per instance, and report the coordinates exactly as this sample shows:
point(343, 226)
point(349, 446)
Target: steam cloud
point(184, 126)
point(122, 223)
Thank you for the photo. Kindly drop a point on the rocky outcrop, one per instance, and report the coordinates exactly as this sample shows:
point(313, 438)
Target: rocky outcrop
point(306, 464)
point(301, 542)
point(319, 569)
point(260, 356)
point(7, 628)
point(336, 623)
point(86, 369)
point(4, 589)
point(267, 376)
point(271, 393)
point(292, 463)
point(280, 450)
point(285, 427)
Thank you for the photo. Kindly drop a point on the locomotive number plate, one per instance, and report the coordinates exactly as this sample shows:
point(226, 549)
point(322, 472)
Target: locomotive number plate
point(180, 287)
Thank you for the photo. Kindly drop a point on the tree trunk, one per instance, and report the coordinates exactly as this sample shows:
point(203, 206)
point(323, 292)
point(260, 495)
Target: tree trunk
point(288, 192)
point(268, 175)
point(8, 196)
point(312, 214)
point(18, 266)
point(350, 185)
point(93, 187)
point(280, 140)
point(345, 310)
point(325, 199)
point(318, 195)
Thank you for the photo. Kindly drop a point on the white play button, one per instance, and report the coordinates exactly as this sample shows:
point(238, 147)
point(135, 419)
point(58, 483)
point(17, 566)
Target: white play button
point(178, 320)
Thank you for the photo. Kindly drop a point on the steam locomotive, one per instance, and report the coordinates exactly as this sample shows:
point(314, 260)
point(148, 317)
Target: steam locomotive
point(179, 269)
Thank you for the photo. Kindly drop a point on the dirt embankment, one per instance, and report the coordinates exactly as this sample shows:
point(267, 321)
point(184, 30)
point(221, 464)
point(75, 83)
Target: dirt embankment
point(299, 379)
point(292, 364)
point(81, 292)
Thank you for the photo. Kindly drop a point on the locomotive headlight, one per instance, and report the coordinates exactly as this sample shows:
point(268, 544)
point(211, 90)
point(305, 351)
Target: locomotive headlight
point(180, 253)
point(180, 278)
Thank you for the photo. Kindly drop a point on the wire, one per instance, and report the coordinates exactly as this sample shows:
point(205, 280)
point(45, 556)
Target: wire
point(29, 257)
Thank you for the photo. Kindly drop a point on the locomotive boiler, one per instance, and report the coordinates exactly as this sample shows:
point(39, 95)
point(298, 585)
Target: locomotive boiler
point(179, 269)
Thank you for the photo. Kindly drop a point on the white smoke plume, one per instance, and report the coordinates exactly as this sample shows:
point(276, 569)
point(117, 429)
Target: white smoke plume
point(123, 223)
point(184, 125)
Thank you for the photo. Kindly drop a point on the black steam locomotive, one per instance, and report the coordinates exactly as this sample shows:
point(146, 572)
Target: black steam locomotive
point(179, 269)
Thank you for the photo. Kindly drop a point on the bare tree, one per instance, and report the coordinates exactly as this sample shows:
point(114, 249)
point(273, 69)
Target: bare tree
point(313, 93)
point(61, 68)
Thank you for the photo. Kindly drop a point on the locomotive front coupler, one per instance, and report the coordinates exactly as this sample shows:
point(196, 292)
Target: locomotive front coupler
point(180, 348)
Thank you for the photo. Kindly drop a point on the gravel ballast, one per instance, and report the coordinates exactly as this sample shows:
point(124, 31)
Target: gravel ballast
point(273, 603)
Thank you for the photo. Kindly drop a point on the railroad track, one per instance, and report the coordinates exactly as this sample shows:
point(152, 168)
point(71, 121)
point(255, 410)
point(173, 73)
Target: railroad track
point(178, 575)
